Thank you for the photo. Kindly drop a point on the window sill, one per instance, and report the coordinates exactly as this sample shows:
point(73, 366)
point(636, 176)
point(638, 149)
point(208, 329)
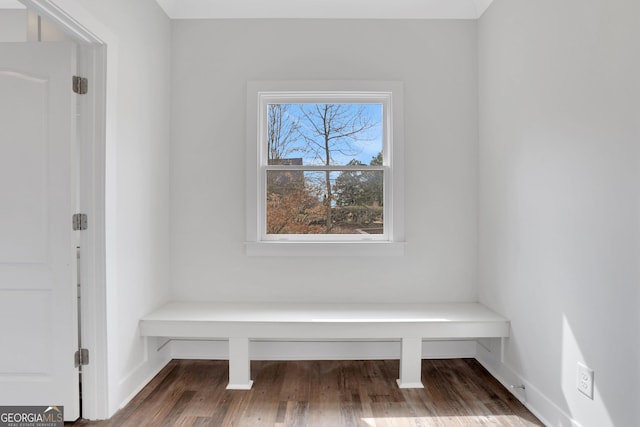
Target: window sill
point(339, 249)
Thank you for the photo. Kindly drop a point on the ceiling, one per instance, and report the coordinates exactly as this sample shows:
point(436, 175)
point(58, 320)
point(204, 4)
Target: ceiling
point(340, 9)
point(315, 9)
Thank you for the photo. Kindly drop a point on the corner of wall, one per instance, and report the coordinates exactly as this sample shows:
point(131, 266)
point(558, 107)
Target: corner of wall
point(490, 355)
point(158, 356)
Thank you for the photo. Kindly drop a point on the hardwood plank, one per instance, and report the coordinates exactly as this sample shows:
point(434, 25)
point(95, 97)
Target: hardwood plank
point(191, 393)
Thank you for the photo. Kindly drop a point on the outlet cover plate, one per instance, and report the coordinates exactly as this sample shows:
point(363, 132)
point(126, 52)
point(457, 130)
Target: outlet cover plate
point(585, 380)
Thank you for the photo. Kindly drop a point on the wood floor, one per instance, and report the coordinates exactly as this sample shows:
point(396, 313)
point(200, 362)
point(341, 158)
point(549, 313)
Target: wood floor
point(458, 392)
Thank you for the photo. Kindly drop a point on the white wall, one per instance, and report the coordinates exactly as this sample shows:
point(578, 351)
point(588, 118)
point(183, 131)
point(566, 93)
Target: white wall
point(559, 188)
point(138, 223)
point(13, 25)
point(211, 62)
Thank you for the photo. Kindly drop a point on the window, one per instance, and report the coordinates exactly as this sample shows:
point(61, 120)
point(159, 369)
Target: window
point(324, 168)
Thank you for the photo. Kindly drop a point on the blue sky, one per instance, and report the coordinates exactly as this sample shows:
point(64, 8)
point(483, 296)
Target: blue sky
point(363, 148)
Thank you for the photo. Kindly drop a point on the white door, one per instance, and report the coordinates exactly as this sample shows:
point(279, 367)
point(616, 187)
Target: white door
point(38, 297)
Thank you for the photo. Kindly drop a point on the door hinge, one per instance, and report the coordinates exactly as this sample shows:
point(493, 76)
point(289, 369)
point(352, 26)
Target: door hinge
point(79, 222)
point(80, 85)
point(81, 357)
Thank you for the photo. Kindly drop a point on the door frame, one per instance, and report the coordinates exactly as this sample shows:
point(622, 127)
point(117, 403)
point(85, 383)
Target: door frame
point(98, 50)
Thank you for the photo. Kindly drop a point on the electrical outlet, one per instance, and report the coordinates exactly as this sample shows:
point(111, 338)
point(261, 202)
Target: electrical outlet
point(585, 380)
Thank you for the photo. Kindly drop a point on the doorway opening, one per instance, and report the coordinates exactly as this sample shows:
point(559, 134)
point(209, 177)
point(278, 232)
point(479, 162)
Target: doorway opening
point(48, 22)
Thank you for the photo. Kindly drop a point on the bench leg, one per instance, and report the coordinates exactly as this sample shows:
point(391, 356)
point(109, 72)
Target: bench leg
point(239, 364)
point(410, 363)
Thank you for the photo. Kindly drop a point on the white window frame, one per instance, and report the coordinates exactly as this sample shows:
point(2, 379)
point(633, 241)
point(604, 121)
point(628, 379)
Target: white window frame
point(387, 93)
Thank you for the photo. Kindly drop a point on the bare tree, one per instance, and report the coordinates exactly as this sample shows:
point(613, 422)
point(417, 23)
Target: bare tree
point(331, 129)
point(282, 131)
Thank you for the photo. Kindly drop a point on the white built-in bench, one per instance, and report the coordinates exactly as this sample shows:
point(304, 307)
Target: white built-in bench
point(242, 322)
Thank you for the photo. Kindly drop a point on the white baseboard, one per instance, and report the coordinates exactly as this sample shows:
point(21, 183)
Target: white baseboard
point(136, 379)
point(314, 350)
point(489, 356)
